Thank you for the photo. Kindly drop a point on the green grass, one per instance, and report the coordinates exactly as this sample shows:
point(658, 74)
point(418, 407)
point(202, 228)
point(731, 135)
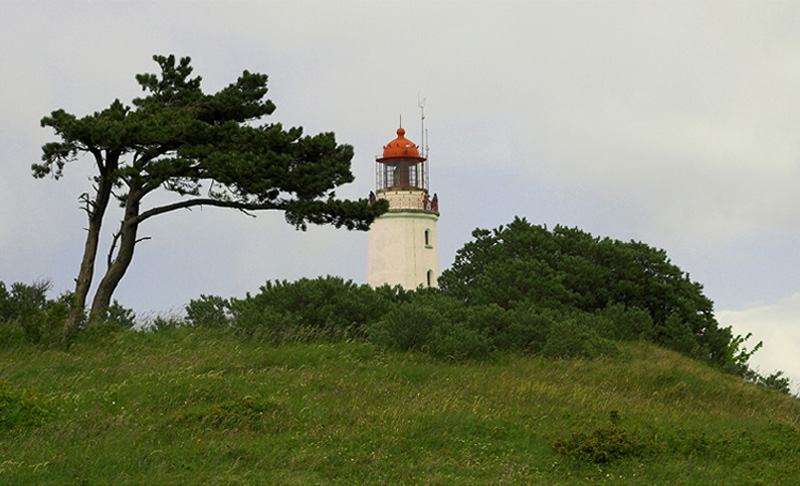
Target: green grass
point(195, 406)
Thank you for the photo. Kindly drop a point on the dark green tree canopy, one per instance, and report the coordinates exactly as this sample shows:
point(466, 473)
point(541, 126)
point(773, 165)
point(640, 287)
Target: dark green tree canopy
point(208, 150)
point(182, 140)
point(570, 268)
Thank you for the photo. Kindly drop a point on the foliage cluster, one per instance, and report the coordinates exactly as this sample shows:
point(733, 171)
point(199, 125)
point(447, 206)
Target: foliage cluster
point(18, 407)
point(523, 264)
point(331, 308)
point(426, 320)
point(308, 309)
point(206, 149)
point(443, 325)
point(27, 315)
point(605, 444)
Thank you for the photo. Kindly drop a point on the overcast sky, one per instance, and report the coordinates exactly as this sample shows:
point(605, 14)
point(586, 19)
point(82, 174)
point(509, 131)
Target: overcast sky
point(672, 123)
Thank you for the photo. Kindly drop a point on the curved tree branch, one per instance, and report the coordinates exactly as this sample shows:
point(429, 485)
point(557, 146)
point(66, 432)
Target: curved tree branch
point(207, 202)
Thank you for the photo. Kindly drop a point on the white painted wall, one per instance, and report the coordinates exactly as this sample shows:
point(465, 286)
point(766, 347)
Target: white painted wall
point(397, 253)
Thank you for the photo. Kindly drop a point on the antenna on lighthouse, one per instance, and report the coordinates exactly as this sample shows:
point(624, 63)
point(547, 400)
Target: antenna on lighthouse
point(422, 143)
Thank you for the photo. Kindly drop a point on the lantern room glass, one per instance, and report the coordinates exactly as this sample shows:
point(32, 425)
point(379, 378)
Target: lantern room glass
point(401, 174)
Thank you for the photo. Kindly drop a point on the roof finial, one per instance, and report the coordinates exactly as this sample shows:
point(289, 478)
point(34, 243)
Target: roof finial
point(401, 120)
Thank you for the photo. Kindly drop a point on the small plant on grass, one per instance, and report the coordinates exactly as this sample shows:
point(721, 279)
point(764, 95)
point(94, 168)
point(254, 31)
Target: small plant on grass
point(18, 408)
point(250, 411)
point(604, 444)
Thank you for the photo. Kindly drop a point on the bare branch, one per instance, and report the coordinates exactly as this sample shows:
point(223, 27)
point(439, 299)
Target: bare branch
point(246, 212)
point(208, 202)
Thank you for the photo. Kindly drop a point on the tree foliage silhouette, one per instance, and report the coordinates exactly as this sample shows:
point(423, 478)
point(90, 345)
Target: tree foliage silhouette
point(207, 150)
point(570, 268)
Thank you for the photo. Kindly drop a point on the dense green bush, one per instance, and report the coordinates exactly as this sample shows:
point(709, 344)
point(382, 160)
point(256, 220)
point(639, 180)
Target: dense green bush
point(571, 338)
point(526, 328)
point(27, 315)
point(266, 323)
point(776, 381)
point(436, 324)
point(570, 270)
point(605, 444)
point(6, 303)
point(323, 303)
point(620, 324)
point(209, 311)
point(427, 320)
point(407, 327)
point(326, 307)
point(118, 315)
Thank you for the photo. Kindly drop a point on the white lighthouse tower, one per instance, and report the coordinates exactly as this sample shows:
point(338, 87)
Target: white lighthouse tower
point(402, 248)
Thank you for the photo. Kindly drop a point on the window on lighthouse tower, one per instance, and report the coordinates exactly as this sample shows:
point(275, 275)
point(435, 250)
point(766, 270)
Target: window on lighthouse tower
point(404, 174)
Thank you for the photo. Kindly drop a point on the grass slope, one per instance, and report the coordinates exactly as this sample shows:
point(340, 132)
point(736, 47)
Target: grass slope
point(194, 406)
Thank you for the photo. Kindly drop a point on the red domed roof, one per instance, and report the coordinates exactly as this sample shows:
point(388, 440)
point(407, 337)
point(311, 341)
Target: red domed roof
point(401, 147)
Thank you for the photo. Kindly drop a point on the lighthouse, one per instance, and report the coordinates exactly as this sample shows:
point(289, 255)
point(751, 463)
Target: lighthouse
point(402, 248)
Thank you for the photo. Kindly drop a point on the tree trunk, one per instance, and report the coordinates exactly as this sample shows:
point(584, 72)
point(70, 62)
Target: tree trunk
point(120, 264)
point(86, 272)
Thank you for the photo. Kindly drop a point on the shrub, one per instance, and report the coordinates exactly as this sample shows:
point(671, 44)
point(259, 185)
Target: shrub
point(263, 322)
point(603, 445)
point(528, 328)
point(776, 382)
point(118, 315)
point(438, 325)
point(209, 311)
point(6, 303)
point(159, 321)
point(489, 321)
point(618, 323)
point(27, 315)
point(458, 340)
point(407, 327)
point(571, 338)
point(17, 407)
point(677, 335)
point(330, 305)
point(570, 270)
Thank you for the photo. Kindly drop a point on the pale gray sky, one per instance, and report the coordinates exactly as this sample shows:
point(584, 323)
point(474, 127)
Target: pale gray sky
point(673, 123)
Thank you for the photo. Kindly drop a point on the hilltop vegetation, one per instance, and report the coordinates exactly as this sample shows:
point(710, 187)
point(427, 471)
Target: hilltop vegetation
point(548, 357)
point(518, 288)
point(374, 386)
point(193, 405)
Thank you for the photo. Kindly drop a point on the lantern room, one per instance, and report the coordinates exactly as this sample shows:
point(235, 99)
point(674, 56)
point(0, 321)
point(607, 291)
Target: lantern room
point(401, 166)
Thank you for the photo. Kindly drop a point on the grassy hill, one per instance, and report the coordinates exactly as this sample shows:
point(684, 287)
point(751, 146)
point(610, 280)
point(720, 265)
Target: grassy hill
point(201, 406)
